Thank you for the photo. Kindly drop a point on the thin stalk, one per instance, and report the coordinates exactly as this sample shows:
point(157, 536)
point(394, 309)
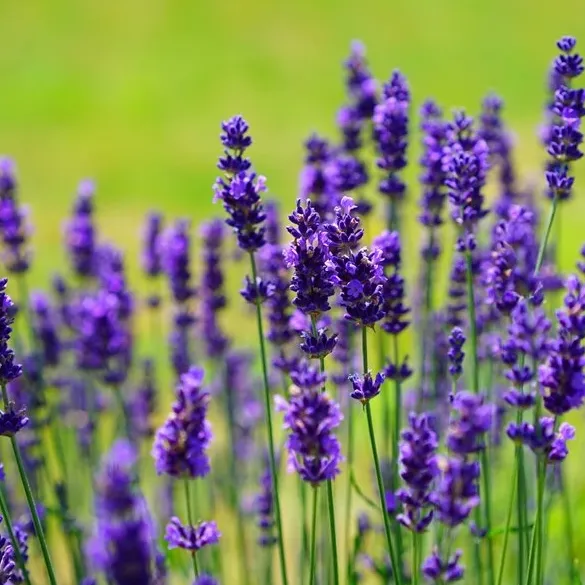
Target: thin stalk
point(396, 568)
point(508, 524)
point(475, 388)
point(233, 487)
point(313, 536)
point(533, 553)
point(330, 499)
point(415, 558)
point(386, 397)
point(349, 489)
point(33, 512)
point(568, 512)
point(9, 528)
point(426, 313)
point(268, 408)
point(305, 547)
point(396, 441)
point(191, 523)
point(547, 230)
point(521, 510)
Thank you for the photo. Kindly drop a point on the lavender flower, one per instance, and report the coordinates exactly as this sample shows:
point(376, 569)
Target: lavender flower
point(473, 418)
point(366, 387)
point(123, 545)
point(176, 260)
point(180, 444)
point(543, 439)
point(9, 371)
point(418, 449)
point(240, 190)
point(151, 248)
point(191, 538)
point(8, 571)
point(432, 201)
point(311, 416)
point(205, 580)
point(456, 493)
point(264, 508)
point(212, 293)
point(45, 327)
point(562, 373)
point(465, 163)
point(393, 291)
point(314, 182)
point(563, 138)
point(307, 255)
point(438, 570)
point(390, 134)
point(456, 353)
point(359, 275)
point(360, 83)
point(80, 232)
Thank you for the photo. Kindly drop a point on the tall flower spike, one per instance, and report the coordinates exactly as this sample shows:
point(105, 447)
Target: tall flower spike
point(310, 417)
point(9, 371)
point(307, 255)
point(240, 190)
point(562, 374)
point(563, 138)
point(180, 444)
point(390, 134)
point(314, 182)
point(465, 163)
point(45, 327)
point(418, 468)
point(192, 538)
point(123, 545)
point(80, 231)
point(432, 201)
point(212, 295)
point(360, 83)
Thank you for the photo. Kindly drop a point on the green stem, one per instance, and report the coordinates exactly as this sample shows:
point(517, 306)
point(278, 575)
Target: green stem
point(330, 499)
point(332, 530)
point(268, 408)
point(233, 487)
point(521, 508)
point(9, 528)
point(568, 525)
point(386, 398)
point(305, 548)
point(508, 524)
point(191, 523)
point(547, 230)
point(349, 490)
point(475, 388)
point(313, 536)
point(396, 568)
point(533, 552)
point(415, 558)
point(33, 511)
point(396, 441)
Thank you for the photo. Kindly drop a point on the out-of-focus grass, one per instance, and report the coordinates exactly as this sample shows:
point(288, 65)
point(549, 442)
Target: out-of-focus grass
point(131, 93)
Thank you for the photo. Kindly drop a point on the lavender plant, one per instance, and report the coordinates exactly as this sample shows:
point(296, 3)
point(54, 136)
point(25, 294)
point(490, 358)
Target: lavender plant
point(474, 430)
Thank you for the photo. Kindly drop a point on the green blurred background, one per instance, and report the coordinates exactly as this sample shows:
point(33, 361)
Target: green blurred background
point(131, 93)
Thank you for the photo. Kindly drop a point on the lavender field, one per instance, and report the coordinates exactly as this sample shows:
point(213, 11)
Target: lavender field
point(337, 340)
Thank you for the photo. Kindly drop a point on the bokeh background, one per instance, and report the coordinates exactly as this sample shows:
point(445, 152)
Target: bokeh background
point(131, 93)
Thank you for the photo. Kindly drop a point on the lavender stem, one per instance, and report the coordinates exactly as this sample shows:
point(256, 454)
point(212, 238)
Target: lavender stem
point(31, 501)
point(313, 535)
point(267, 405)
point(191, 523)
point(8, 521)
point(396, 569)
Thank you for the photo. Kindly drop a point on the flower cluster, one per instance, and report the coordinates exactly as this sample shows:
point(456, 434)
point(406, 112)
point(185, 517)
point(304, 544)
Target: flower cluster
point(310, 417)
point(240, 190)
point(180, 444)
